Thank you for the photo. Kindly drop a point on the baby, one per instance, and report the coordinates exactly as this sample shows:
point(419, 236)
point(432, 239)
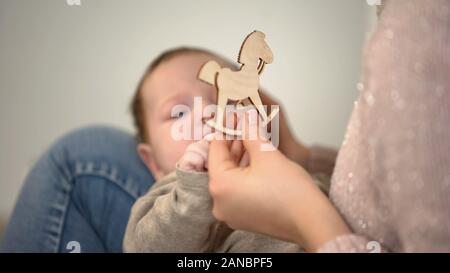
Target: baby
point(175, 215)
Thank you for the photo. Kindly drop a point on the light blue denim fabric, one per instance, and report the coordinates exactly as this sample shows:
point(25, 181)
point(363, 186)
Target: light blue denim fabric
point(79, 194)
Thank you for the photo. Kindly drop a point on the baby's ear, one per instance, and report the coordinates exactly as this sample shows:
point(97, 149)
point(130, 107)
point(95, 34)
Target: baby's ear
point(146, 154)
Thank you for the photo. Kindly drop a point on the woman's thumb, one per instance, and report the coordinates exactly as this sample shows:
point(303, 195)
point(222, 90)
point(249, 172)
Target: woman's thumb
point(220, 158)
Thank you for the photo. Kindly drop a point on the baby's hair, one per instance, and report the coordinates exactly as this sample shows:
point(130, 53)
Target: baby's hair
point(137, 105)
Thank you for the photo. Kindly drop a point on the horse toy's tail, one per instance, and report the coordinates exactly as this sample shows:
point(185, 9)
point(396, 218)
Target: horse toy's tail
point(209, 71)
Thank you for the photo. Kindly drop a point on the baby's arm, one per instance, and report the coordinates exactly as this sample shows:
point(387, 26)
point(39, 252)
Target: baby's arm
point(175, 215)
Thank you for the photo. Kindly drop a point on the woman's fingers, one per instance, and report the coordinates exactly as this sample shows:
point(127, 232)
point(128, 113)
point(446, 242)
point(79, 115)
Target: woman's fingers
point(237, 150)
point(220, 158)
point(245, 160)
point(255, 142)
point(229, 154)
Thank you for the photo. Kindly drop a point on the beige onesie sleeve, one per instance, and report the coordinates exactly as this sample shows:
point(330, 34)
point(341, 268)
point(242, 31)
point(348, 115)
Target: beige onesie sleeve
point(174, 216)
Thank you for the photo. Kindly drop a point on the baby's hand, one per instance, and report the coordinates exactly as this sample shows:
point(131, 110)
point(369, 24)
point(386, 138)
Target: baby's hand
point(195, 158)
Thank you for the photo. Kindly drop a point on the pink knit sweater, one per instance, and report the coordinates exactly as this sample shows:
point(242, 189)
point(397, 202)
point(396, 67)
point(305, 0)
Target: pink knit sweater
point(391, 182)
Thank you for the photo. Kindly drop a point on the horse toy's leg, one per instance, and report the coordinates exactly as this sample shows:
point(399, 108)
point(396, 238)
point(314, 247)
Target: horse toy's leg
point(256, 100)
point(208, 73)
point(222, 102)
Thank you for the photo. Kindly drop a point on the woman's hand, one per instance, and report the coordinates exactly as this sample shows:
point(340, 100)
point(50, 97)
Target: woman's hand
point(195, 157)
point(272, 195)
point(288, 145)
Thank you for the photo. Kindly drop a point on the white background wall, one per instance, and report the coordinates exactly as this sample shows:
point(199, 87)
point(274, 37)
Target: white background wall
point(64, 66)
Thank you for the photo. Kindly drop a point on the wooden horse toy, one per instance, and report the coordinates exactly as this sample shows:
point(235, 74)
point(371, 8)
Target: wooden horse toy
point(239, 85)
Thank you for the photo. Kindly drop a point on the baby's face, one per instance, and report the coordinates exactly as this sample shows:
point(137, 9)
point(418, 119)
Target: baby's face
point(173, 82)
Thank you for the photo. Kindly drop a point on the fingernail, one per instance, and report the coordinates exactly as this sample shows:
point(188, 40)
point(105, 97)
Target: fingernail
point(209, 137)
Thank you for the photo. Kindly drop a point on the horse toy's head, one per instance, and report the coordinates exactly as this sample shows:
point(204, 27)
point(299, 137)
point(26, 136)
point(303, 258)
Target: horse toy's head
point(255, 50)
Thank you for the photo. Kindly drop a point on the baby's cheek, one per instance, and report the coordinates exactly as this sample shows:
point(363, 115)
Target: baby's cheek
point(167, 154)
point(178, 148)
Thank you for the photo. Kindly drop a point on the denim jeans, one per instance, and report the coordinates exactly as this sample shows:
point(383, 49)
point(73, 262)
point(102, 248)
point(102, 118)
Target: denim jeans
point(79, 194)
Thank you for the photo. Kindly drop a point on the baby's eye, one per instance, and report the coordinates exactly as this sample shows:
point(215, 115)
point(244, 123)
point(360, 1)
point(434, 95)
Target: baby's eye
point(179, 114)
